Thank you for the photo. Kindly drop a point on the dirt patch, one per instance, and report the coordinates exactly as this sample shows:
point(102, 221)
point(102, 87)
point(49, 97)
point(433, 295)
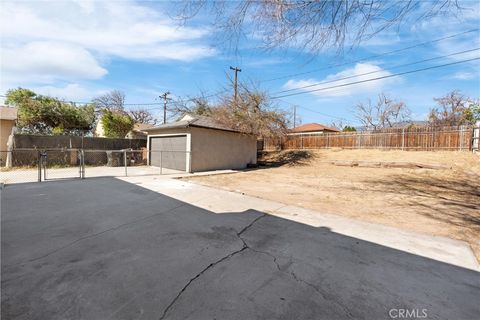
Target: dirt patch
point(442, 202)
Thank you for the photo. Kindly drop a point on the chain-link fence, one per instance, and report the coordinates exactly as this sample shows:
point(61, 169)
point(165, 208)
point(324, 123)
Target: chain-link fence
point(20, 166)
point(29, 165)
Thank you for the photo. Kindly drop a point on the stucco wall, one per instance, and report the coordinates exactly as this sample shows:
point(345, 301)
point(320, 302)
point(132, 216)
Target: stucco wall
point(5, 131)
point(217, 149)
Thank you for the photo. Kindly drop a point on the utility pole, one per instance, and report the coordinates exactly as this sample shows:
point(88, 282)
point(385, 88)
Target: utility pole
point(294, 116)
point(164, 96)
point(235, 83)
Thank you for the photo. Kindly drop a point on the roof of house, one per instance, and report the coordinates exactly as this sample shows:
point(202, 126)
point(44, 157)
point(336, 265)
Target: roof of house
point(8, 113)
point(194, 121)
point(313, 127)
point(142, 126)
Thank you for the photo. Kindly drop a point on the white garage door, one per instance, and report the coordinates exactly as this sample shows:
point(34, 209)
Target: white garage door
point(173, 153)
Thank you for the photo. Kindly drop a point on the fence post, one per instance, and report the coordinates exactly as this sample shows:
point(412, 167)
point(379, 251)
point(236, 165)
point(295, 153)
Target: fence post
point(44, 164)
point(82, 164)
point(125, 161)
point(476, 137)
point(403, 138)
point(39, 160)
point(462, 128)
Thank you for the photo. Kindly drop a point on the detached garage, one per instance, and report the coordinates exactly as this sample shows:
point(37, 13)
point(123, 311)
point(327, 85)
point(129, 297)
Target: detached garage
point(197, 143)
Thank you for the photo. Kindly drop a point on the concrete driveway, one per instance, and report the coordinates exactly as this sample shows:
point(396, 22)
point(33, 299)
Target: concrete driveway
point(104, 248)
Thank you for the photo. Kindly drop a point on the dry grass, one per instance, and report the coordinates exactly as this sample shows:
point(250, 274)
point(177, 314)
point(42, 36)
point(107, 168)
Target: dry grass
point(437, 202)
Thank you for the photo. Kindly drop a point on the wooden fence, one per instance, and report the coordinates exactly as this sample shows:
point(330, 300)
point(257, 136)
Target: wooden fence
point(423, 138)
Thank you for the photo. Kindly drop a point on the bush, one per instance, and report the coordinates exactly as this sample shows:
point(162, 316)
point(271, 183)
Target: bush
point(116, 124)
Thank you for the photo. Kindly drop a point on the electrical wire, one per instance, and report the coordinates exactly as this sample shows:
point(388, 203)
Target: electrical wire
point(377, 71)
point(378, 78)
point(373, 56)
point(314, 111)
point(142, 104)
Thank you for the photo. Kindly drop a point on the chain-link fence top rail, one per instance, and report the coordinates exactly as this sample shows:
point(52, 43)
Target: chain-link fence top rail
point(29, 165)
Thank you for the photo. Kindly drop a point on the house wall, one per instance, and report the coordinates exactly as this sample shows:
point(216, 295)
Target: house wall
point(99, 132)
point(216, 149)
point(5, 131)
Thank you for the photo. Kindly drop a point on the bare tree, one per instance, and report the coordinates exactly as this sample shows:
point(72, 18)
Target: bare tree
point(339, 124)
point(142, 115)
point(312, 25)
point(385, 113)
point(112, 101)
point(253, 112)
point(453, 109)
point(196, 106)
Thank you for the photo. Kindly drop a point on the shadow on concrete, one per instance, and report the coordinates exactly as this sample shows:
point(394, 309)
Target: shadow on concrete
point(106, 249)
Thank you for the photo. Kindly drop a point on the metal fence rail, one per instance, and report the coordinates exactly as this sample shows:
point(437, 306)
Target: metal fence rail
point(30, 165)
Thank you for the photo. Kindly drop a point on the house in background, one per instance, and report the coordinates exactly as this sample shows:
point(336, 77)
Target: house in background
point(312, 128)
point(8, 119)
point(138, 131)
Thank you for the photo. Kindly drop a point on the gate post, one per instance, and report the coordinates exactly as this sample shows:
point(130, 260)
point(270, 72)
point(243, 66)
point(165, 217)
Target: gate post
point(44, 164)
point(82, 164)
point(161, 162)
point(125, 161)
point(39, 163)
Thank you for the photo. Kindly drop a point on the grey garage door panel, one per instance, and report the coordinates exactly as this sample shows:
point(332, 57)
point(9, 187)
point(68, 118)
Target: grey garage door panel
point(173, 155)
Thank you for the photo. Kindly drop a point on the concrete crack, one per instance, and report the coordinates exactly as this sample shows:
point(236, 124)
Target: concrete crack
point(291, 273)
point(251, 224)
point(211, 265)
point(314, 287)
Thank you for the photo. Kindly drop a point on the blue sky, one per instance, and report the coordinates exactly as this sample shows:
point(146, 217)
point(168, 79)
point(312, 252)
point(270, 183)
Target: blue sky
point(77, 50)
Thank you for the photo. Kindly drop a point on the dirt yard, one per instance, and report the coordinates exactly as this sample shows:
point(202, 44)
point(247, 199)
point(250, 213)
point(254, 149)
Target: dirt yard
point(443, 202)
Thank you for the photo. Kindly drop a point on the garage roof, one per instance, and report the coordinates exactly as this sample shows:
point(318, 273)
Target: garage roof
point(194, 121)
point(7, 113)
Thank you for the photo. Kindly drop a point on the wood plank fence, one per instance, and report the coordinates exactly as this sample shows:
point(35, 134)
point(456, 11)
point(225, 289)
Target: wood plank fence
point(416, 138)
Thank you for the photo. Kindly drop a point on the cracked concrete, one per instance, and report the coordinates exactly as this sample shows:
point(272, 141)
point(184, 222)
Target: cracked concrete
point(213, 264)
point(108, 249)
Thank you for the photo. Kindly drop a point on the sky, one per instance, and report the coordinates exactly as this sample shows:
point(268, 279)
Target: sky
point(76, 50)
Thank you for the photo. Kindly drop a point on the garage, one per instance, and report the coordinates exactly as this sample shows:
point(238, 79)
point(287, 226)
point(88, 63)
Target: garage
point(198, 143)
point(169, 151)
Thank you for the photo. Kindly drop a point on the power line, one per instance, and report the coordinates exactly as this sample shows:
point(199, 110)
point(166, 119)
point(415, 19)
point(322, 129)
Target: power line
point(373, 57)
point(323, 114)
point(377, 71)
point(378, 78)
point(314, 111)
point(142, 104)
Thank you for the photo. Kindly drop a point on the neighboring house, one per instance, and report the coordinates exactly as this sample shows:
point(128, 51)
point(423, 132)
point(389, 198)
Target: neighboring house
point(198, 143)
point(99, 132)
point(8, 119)
point(312, 128)
point(138, 131)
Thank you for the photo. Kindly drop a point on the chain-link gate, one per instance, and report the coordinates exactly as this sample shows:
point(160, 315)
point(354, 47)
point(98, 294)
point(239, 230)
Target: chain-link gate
point(62, 164)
